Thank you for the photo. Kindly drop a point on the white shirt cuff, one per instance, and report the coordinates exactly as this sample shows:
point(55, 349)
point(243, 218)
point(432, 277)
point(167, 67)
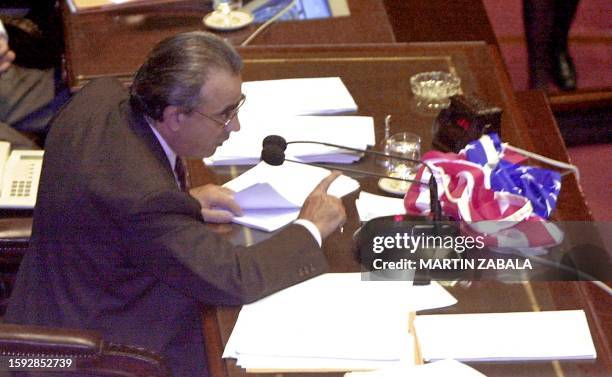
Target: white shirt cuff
point(3, 33)
point(312, 228)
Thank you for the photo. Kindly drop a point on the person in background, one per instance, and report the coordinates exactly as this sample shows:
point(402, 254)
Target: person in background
point(119, 246)
point(31, 87)
point(547, 25)
point(7, 133)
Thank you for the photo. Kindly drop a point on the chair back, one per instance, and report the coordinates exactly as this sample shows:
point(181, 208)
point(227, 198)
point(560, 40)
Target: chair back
point(89, 354)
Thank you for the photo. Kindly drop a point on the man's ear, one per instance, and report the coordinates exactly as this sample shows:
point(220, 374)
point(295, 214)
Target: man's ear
point(172, 117)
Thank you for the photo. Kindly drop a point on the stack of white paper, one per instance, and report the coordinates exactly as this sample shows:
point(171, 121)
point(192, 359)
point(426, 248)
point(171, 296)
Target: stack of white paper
point(370, 206)
point(271, 196)
point(279, 107)
point(332, 322)
point(244, 147)
point(436, 369)
point(304, 96)
point(506, 336)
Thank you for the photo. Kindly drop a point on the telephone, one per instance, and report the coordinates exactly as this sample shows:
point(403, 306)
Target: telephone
point(20, 173)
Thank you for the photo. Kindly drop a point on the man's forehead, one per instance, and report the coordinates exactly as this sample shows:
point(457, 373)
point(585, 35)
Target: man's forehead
point(221, 88)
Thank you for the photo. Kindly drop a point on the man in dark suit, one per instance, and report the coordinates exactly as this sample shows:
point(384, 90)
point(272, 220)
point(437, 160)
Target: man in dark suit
point(118, 247)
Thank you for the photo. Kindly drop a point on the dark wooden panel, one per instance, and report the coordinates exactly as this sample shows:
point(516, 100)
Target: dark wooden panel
point(439, 20)
point(116, 43)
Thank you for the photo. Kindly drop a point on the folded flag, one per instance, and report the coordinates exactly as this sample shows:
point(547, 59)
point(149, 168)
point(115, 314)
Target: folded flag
point(541, 186)
point(490, 194)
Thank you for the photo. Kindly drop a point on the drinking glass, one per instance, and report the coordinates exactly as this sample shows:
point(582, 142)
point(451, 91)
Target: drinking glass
point(407, 145)
point(226, 6)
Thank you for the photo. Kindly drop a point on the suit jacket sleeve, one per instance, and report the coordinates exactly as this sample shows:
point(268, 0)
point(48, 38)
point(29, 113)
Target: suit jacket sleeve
point(167, 237)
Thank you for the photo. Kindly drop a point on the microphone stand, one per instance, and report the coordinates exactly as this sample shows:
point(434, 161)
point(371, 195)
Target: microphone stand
point(375, 153)
point(348, 170)
point(436, 209)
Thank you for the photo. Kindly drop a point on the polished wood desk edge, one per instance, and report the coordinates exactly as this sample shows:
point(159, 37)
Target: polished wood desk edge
point(593, 313)
point(438, 47)
point(536, 108)
point(581, 99)
point(535, 104)
point(541, 125)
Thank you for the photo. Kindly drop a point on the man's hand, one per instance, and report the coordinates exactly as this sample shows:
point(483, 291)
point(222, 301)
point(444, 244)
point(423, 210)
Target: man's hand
point(6, 55)
point(218, 204)
point(323, 210)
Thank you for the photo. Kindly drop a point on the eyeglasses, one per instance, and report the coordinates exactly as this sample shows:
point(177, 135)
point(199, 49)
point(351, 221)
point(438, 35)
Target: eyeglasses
point(228, 115)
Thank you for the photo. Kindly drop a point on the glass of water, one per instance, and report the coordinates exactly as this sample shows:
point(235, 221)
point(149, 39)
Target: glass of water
point(406, 145)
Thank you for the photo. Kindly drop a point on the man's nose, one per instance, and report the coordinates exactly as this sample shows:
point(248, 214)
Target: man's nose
point(234, 125)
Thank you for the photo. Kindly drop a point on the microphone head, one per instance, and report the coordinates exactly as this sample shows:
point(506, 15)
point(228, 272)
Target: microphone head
point(273, 155)
point(275, 140)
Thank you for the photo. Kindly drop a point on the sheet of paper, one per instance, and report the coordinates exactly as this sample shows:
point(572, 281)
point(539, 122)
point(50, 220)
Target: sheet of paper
point(262, 196)
point(370, 206)
point(291, 181)
point(303, 96)
point(336, 316)
point(245, 146)
point(506, 336)
point(267, 220)
point(300, 364)
point(436, 369)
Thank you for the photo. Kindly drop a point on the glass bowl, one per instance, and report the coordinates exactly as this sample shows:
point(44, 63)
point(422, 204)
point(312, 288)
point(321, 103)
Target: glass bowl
point(433, 89)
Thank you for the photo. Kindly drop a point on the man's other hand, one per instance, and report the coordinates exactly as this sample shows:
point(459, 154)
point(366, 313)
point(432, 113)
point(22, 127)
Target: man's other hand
point(6, 55)
point(218, 204)
point(324, 210)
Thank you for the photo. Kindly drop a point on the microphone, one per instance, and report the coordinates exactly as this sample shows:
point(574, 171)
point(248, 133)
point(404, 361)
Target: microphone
point(275, 140)
point(273, 153)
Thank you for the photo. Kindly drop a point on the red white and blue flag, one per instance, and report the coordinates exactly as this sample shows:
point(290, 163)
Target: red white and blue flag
point(483, 186)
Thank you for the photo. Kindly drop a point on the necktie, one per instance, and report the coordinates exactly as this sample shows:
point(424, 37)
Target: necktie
point(179, 170)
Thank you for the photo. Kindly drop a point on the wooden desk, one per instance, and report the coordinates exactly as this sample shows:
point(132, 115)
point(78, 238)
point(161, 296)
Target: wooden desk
point(100, 43)
point(116, 43)
point(377, 77)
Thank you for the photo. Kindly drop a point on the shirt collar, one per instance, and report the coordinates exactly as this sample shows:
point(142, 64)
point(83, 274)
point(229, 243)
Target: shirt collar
point(167, 150)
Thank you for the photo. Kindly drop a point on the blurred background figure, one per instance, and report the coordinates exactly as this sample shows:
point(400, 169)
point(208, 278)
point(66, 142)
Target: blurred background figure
point(31, 85)
point(547, 24)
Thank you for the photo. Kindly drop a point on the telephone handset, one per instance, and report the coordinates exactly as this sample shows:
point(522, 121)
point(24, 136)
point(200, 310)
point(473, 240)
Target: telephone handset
point(20, 172)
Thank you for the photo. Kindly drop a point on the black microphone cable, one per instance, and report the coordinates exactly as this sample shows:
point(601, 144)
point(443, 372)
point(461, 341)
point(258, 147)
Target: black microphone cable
point(436, 208)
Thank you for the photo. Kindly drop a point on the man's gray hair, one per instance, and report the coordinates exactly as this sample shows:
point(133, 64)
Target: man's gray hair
point(177, 68)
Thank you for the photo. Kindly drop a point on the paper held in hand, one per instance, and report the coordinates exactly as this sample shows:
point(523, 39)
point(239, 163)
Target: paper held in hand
point(271, 196)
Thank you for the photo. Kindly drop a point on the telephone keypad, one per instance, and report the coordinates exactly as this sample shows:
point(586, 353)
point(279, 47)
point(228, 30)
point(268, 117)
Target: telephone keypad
point(21, 188)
